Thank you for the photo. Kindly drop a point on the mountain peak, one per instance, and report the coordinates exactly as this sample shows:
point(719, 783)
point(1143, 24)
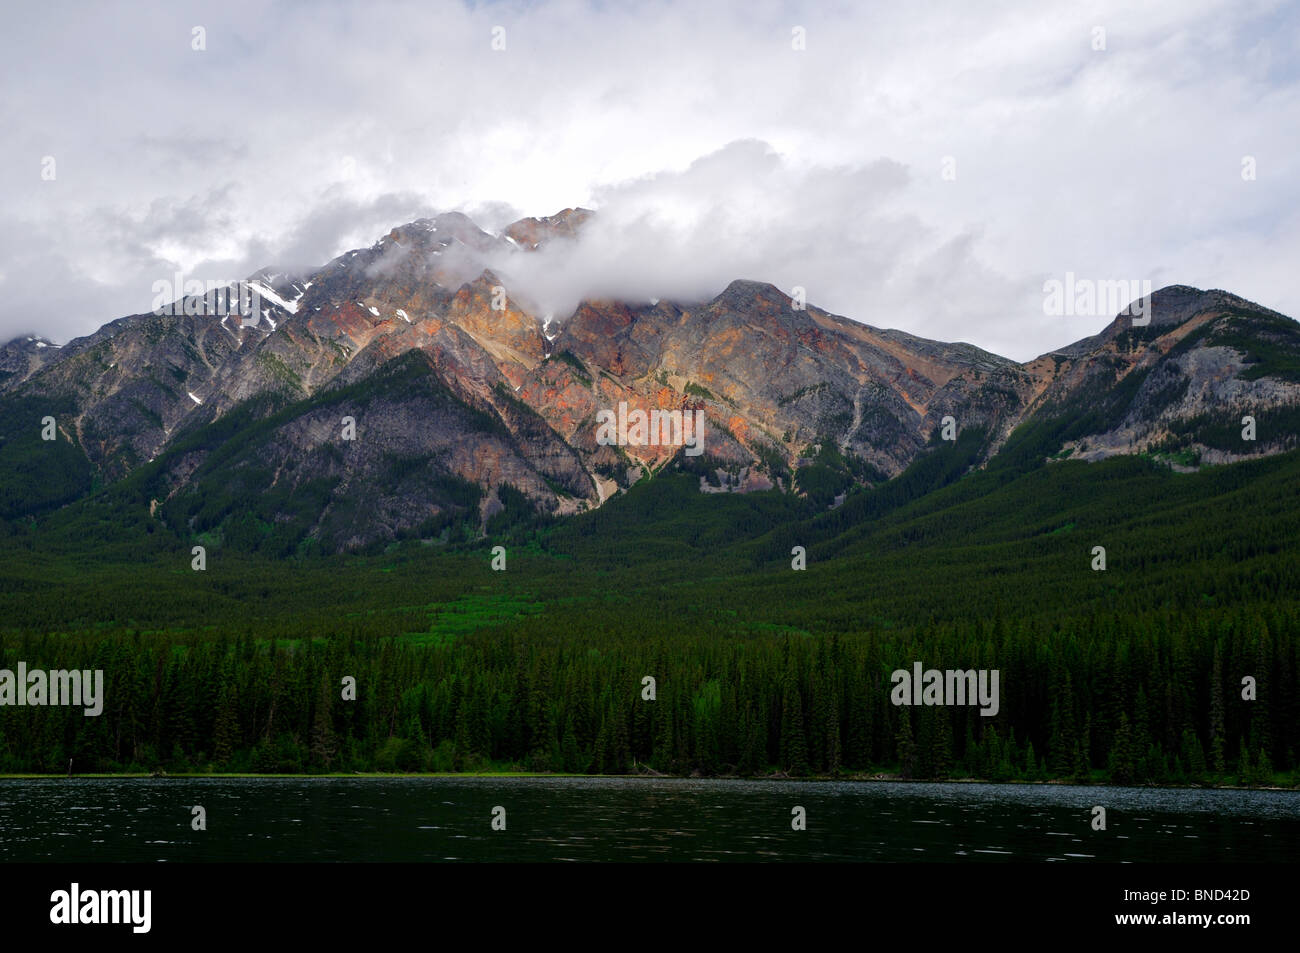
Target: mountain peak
point(531, 233)
point(1173, 304)
point(747, 292)
point(29, 341)
point(496, 396)
point(1167, 308)
point(444, 229)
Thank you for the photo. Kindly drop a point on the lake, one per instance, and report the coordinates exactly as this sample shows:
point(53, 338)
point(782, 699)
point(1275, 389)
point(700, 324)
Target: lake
point(633, 819)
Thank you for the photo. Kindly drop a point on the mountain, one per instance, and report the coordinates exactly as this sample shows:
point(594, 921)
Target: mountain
point(22, 357)
point(407, 390)
point(1181, 383)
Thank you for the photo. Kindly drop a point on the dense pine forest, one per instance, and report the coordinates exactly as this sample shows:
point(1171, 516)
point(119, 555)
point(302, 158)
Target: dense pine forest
point(1131, 674)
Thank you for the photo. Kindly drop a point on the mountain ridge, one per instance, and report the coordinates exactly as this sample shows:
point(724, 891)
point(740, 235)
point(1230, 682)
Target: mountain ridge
point(794, 398)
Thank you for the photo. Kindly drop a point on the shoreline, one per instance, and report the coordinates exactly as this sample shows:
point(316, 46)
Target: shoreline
point(532, 775)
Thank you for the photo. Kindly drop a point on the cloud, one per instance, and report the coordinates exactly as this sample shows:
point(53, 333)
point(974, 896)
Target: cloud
point(300, 132)
point(742, 211)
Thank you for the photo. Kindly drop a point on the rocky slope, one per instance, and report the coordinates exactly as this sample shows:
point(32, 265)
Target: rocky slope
point(1181, 385)
point(406, 388)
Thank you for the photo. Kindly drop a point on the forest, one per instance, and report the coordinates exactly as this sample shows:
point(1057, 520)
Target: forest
point(1175, 664)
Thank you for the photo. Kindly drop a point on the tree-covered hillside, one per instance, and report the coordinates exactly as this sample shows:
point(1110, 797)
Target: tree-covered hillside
point(1131, 673)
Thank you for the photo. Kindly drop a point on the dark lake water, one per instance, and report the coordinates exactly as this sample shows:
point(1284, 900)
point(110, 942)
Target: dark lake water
point(558, 819)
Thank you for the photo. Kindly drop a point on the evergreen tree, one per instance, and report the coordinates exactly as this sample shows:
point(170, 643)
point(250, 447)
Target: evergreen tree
point(1122, 762)
point(753, 749)
point(1217, 729)
point(906, 745)
point(941, 745)
point(794, 743)
point(324, 747)
point(1263, 772)
point(1083, 751)
point(1193, 753)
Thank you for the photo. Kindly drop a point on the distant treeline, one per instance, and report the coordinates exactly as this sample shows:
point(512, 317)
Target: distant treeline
point(1156, 699)
point(1133, 673)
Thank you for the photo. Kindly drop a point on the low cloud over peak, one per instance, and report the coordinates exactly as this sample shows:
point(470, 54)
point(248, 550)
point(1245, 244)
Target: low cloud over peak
point(924, 178)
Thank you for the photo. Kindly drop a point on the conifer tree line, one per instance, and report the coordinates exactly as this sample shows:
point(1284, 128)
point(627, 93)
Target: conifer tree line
point(1155, 698)
point(1133, 674)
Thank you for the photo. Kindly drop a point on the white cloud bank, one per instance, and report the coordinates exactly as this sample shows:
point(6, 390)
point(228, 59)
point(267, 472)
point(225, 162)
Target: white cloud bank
point(712, 149)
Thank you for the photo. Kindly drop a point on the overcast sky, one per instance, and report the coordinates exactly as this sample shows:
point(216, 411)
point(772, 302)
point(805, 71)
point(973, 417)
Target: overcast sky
point(713, 148)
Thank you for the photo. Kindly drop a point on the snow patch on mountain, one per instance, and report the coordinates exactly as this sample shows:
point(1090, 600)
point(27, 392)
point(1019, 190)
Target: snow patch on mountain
point(270, 295)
